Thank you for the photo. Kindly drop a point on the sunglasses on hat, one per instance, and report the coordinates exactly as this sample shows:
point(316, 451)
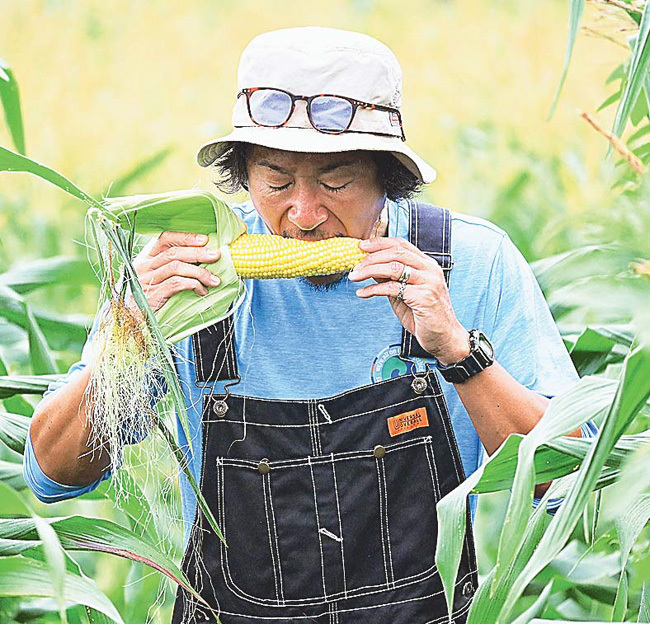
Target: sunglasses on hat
point(330, 114)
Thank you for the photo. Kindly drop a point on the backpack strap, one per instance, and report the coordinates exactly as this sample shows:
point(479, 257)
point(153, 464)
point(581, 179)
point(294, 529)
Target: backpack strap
point(430, 232)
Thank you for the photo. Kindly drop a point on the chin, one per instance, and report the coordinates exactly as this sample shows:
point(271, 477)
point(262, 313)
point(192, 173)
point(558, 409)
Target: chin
point(324, 282)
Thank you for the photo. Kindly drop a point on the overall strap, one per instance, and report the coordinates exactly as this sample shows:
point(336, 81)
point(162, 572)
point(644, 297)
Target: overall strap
point(430, 232)
point(214, 352)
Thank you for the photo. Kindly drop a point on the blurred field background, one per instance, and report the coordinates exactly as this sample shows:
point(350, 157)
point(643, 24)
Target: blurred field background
point(107, 85)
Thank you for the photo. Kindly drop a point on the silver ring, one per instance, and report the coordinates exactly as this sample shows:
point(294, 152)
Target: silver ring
point(406, 273)
point(400, 292)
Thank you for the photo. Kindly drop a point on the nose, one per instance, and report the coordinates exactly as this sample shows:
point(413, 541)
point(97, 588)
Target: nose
point(306, 211)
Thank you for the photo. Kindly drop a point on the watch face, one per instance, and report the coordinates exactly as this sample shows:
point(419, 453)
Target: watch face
point(486, 345)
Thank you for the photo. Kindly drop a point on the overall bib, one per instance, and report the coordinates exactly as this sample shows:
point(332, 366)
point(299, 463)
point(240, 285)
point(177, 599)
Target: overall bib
point(328, 506)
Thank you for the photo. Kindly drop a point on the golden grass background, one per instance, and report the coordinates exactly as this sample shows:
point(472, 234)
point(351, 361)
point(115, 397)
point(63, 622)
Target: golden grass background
point(105, 84)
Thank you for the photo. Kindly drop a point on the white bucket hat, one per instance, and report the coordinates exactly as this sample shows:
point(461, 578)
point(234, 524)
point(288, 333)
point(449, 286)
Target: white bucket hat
point(310, 61)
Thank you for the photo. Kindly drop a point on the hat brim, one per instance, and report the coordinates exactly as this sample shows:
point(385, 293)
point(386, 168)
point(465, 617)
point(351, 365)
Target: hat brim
point(312, 141)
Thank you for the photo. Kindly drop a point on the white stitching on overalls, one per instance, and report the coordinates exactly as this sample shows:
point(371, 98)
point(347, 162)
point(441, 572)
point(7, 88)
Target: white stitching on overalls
point(338, 511)
point(433, 469)
point(381, 523)
point(277, 542)
point(325, 413)
point(386, 604)
point(320, 540)
point(390, 549)
point(268, 530)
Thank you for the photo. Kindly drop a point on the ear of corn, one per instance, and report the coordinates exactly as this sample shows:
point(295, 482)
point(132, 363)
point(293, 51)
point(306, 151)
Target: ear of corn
point(268, 256)
point(243, 256)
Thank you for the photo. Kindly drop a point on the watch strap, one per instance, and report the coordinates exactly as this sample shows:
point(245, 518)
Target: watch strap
point(478, 360)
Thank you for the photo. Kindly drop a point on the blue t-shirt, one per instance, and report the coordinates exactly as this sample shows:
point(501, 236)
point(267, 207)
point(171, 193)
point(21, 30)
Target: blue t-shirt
point(295, 342)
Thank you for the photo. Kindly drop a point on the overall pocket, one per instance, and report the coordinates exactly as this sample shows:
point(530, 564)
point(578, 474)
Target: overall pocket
point(307, 531)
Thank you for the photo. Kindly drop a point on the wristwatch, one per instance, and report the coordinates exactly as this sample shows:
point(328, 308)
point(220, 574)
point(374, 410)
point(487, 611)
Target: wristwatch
point(481, 355)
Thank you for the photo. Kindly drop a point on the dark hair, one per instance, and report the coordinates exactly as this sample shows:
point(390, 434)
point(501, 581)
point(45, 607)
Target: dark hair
point(398, 182)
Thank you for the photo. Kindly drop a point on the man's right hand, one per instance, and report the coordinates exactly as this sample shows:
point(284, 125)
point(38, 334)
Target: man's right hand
point(169, 264)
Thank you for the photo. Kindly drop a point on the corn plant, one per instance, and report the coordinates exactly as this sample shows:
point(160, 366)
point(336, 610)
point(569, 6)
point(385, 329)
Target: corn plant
point(561, 568)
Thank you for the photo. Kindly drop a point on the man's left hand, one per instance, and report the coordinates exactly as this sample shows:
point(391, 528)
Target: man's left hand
point(424, 308)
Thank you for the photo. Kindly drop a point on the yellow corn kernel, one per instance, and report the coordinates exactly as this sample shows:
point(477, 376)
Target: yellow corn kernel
point(262, 256)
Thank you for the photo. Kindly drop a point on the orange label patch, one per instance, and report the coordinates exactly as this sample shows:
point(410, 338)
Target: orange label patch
point(408, 421)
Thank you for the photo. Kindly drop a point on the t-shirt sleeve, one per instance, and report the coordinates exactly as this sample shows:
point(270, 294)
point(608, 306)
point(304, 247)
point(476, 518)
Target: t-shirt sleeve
point(519, 324)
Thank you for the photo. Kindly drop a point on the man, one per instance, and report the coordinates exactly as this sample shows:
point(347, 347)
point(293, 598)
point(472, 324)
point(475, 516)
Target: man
point(332, 413)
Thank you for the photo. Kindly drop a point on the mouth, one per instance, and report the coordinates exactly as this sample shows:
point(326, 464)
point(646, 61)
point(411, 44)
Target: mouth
point(310, 235)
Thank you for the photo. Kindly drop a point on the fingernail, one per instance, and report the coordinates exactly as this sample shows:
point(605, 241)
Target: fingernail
point(212, 254)
point(201, 238)
point(353, 273)
point(364, 244)
point(215, 280)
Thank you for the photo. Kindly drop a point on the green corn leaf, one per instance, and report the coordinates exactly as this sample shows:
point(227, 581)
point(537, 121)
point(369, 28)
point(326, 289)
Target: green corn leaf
point(10, 161)
point(20, 576)
point(26, 277)
point(556, 458)
point(490, 597)
point(488, 600)
point(54, 555)
point(629, 525)
point(644, 607)
point(97, 535)
point(592, 260)
point(15, 404)
point(537, 607)
point(577, 9)
point(62, 333)
point(25, 384)
point(538, 621)
point(41, 357)
point(631, 395)
point(12, 475)
point(638, 74)
point(591, 350)
point(13, 430)
point(566, 413)
point(10, 98)
point(147, 165)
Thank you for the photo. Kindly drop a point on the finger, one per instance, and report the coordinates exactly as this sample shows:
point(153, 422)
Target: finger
point(176, 267)
point(401, 256)
point(387, 271)
point(191, 255)
point(387, 242)
point(385, 289)
point(177, 239)
point(177, 284)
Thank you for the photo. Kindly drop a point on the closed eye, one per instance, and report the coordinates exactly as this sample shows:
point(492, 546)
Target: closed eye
point(280, 188)
point(335, 189)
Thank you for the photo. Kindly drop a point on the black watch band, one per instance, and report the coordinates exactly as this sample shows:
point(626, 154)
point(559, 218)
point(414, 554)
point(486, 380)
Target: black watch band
point(481, 355)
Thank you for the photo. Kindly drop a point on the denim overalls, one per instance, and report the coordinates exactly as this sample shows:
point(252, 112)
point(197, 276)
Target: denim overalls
point(328, 506)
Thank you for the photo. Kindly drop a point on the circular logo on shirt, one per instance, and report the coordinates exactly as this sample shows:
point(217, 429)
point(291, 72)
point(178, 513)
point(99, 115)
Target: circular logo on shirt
point(388, 364)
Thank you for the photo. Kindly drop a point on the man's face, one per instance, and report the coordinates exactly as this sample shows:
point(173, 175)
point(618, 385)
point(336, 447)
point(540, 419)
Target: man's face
point(315, 196)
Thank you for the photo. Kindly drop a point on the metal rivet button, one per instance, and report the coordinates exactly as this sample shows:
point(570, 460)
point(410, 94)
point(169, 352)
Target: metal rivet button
point(419, 385)
point(379, 451)
point(220, 408)
point(264, 467)
point(468, 589)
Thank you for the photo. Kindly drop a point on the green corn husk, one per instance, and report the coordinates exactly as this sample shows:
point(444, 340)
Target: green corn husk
point(188, 211)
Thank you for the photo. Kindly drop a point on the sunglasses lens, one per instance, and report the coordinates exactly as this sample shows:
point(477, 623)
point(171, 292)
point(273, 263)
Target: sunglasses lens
point(331, 114)
point(270, 107)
